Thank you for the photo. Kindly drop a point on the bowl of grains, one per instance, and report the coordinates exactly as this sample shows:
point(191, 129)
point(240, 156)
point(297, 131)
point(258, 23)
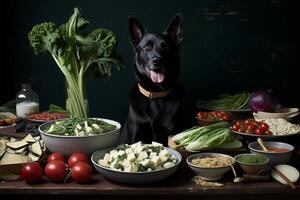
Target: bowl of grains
point(210, 166)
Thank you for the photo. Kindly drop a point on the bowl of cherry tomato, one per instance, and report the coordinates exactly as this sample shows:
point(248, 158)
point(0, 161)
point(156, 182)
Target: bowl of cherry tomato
point(252, 128)
point(207, 118)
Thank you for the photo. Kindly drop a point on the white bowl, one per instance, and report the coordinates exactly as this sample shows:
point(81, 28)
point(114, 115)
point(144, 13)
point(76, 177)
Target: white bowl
point(274, 157)
point(284, 113)
point(86, 144)
point(134, 177)
point(209, 174)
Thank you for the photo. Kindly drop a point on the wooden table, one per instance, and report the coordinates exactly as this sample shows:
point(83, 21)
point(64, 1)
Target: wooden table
point(178, 186)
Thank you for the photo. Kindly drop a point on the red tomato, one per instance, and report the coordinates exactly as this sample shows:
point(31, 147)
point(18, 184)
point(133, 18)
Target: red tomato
point(31, 172)
point(248, 121)
point(264, 126)
point(56, 156)
point(250, 127)
point(226, 118)
point(235, 127)
point(259, 131)
point(56, 170)
point(239, 123)
point(202, 115)
point(78, 157)
point(81, 172)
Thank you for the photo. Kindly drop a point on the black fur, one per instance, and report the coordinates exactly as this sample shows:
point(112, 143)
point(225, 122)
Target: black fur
point(157, 67)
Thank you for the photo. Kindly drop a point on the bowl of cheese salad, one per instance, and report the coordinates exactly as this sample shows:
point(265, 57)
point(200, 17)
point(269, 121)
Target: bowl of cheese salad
point(137, 163)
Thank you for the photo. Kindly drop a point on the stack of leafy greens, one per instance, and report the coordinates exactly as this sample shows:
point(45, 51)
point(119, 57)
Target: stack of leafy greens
point(207, 137)
point(75, 51)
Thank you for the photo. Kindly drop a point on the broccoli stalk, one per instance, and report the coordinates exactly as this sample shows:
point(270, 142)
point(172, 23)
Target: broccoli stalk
point(75, 52)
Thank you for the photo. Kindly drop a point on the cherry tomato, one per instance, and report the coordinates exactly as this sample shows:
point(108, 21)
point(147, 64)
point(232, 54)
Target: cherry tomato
point(235, 127)
point(31, 172)
point(264, 125)
point(250, 127)
point(259, 131)
point(202, 115)
point(239, 123)
point(248, 121)
point(56, 170)
point(81, 172)
point(219, 115)
point(56, 156)
point(78, 157)
point(225, 118)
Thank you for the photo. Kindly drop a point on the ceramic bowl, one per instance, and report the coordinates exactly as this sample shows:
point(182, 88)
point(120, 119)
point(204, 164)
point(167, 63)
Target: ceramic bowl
point(86, 144)
point(209, 174)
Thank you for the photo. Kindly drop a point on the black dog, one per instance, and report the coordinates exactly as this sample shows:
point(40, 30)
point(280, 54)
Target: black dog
point(155, 111)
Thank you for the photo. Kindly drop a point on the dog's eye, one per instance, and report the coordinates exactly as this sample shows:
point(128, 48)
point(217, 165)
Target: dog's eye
point(148, 47)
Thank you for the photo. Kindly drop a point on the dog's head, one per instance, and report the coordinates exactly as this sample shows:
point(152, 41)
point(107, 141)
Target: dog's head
point(156, 59)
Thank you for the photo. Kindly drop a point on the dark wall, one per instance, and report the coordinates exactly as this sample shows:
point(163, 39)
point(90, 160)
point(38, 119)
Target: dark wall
point(229, 46)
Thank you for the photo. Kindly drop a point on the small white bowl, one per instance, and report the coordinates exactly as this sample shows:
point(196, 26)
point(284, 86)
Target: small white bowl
point(209, 174)
point(86, 144)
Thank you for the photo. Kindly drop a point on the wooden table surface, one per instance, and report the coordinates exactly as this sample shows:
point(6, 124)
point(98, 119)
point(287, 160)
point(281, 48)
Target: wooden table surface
point(178, 185)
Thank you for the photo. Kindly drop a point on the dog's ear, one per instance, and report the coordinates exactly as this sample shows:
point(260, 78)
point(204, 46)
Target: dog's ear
point(175, 30)
point(136, 30)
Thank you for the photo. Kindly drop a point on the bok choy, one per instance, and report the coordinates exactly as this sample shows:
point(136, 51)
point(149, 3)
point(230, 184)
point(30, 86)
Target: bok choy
point(207, 137)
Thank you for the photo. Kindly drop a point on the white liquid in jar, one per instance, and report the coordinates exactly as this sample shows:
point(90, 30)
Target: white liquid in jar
point(26, 107)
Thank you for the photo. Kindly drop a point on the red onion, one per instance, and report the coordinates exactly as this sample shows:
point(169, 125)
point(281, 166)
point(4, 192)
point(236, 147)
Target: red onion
point(262, 101)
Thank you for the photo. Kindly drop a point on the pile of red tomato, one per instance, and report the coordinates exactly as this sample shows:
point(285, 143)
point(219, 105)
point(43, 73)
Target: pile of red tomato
point(57, 170)
point(251, 126)
point(214, 116)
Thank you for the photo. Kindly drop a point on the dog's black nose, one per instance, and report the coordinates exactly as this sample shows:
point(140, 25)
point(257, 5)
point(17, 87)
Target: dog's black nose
point(156, 60)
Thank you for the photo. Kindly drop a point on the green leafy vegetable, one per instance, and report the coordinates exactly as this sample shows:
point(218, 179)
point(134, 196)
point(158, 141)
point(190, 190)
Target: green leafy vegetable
point(229, 102)
point(56, 109)
point(75, 51)
point(80, 127)
point(206, 137)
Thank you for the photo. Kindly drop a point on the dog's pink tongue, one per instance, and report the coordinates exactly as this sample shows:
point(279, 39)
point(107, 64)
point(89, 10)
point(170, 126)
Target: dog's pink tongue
point(156, 77)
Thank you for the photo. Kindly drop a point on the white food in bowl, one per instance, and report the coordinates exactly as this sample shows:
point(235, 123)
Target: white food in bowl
point(281, 126)
point(86, 144)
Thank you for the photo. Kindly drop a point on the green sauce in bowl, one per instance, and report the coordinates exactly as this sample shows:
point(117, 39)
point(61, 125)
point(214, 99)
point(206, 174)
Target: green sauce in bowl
point(252, 159)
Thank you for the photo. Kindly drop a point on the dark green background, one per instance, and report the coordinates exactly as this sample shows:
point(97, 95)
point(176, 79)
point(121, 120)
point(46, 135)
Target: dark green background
point(228, 46)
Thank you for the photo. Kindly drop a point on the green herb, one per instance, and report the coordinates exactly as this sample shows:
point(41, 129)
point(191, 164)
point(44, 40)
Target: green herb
point(76, 51)
point(229, 102)
point(56, 109)
point(69, 127)
point(253, 159)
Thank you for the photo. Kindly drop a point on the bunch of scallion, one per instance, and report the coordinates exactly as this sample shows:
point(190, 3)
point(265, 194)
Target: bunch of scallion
point(207, 137)
point(229, 102)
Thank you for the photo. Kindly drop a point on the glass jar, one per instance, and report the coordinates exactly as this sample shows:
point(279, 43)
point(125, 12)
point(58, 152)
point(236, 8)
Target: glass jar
point(27, 101)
